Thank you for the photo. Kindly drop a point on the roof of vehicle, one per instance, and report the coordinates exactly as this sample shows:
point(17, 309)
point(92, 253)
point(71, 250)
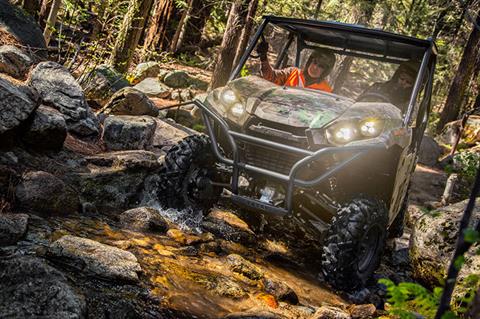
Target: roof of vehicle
point(356, 37)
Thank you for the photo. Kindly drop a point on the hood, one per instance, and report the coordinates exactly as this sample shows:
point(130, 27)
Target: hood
point(287, 105)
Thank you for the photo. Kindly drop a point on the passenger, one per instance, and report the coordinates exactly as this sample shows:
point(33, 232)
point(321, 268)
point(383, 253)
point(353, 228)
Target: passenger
point(399, 88)
point(319, 65)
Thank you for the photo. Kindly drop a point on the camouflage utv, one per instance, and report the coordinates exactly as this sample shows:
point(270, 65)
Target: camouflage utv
point(340, 163)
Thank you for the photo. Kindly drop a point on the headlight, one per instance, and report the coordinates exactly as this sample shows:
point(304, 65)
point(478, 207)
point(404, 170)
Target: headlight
point(228, 97)
point(346, 132)
point(237, 109)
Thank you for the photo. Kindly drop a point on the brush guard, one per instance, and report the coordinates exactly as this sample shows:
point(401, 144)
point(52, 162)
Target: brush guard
point(358, 151)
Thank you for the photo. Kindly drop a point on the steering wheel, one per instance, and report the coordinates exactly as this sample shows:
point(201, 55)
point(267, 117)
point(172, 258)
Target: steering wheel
point(373, 97)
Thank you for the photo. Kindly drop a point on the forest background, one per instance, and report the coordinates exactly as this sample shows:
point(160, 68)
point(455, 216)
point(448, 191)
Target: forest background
point(212, 34)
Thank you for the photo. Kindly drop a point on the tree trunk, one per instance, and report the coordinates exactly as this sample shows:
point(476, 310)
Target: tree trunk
point(129, 34)
point(223, 67)
point(44, 11)
point(32, 7)
point(458, 25)
point(317, 9)
point(196, 23)
point(453, 105)
point(158, 26)
point(51, 20)
point(182, 25)
point(440, 23)
point(247, 31)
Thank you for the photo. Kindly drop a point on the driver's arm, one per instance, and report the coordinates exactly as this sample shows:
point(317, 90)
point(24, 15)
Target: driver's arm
point(268, 73)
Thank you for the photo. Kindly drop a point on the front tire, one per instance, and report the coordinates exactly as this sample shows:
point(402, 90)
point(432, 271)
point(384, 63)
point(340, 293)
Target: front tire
point(354, 243)
point(187, 173)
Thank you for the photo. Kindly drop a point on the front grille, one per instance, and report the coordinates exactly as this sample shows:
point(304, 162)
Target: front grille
point(269, 158)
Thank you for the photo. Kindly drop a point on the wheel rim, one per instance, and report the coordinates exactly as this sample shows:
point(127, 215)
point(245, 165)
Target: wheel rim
point(369, 248)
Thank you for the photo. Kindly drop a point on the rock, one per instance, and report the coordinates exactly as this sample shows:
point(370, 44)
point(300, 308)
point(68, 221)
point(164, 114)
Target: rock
point(433, 242)
point(133, 159)
point(12, 228)
point(188, 239)
point(145, 70)
point(260, 314)
point(15, 105)
point(23, 29)
point(42, 192)
point(152, 87)
point(14, 61)
point(362, 311)
point(59, 89)
point(470, 134)
point(30, 288)
point(166, 135)
point(242, 266)
point(429, 151)
point(101, 83)
point(129, 101)
point(328, 312)
point(177, 79)
point(280, 291)
point(125, 132)
point(182, 95)
point(94, 258)
point(47, 131)
point(143, 219)
point(226, 287)
point(227, 225)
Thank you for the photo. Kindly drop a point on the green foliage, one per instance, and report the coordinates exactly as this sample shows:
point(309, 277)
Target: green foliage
point(244, 71)
point(407, 299)
point(466, 164)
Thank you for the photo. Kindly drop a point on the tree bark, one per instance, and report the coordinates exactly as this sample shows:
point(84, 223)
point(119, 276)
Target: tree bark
point(44, 11)
point(317, 9)
point(453, 105)
point(51, 20)
point(157, 32)
point(195, 26)
point(129, 34)
point(247, 31)
point(223, 67)
point(182, 25)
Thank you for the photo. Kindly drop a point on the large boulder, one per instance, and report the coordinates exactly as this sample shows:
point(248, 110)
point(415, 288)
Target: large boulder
point(167, 134)
point(125, 132)
point(470, 134)
point(95, 258)
point(15, 105)
point(59, 89)
point(429, 151)
point(24, 30)
point(12, 228)
point(14, 61)
point(101, 83)
point(145, 70)
point(42, 192)
point(152, 87)
point(48, 129)
point(129, 101)
point(433, 242)
point(143, 219)
point(30, 288)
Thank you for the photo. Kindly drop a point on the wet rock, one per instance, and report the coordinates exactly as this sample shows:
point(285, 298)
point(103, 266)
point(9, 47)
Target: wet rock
point(226, 287)
point(328, 312)
point(177, 79)
point(433, 242)
point(29, 288)
point(95, 258)
point(42, 192)
point(143, 219)
point(280, 290)
point(15, 105)
point(242, 266)
point(260, 314)
point(228, 226)
point(23, 29)
point(48, 129)
point(188, 239)
point(59, 89)
point(166, 135)
point(124, 132)
point(12, 228)
point(101, 83)
point(145, 70)
point(128, 159)
point(362, 311)
point(129, 101)
point(152, 87)
point(14, 61)
point(429, 151)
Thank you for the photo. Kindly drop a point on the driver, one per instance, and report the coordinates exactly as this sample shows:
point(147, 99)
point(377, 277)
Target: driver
point(399, 88)
point(313, 75)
